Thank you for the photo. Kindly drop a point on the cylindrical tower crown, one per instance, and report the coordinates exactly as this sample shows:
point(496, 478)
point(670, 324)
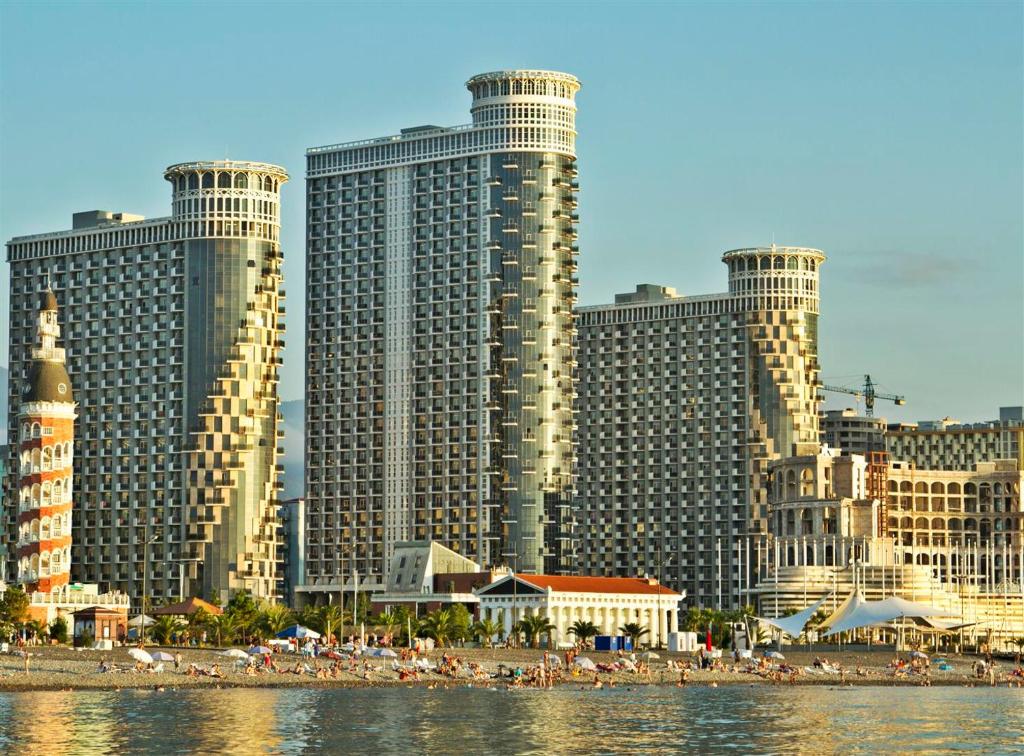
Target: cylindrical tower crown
point(775, 278)
point(229, 198)
point(534, 101)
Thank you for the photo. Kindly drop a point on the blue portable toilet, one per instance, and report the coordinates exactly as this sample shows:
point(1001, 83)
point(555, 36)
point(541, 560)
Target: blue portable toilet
point(606, 643)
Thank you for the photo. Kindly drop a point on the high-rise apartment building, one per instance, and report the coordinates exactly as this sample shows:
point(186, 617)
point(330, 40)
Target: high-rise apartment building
point(172, 328)
point(951, 445)
point(683, 402)
point(441, 275)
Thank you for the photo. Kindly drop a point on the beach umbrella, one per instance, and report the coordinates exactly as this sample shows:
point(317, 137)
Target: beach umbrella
point(162, 656)
point(774, 655)
point(236, 653)
point(139, 655)
point(260, 650)
point(298, 631)
point(387, 653)
point(140, 620)
point(585, 663)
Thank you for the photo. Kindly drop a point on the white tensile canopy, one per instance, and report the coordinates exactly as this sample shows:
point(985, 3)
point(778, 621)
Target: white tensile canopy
point(794, 624)
point(855, 612)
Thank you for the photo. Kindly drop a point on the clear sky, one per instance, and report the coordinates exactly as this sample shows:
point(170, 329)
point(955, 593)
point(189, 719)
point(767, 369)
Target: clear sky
point(888, 135)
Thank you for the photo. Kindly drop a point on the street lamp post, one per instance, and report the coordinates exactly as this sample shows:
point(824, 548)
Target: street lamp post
point(145, 578)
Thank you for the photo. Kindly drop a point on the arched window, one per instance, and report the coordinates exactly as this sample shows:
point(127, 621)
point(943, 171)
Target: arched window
point(268, 185)
point(241, 181)
point(47, 458)
point(953, 488)
point(33, 565)
point(905, 486)
point(791, 492)
point(47, 491)
point(223, 180)
point(35, 530)
point(44, 528)
point(58, 530)
point(921, 523)
point(207, 179)
point(37, 430)
point(792, 263)
point(807, 482)
point(921, 488)
point(938, 488)
point(36, 495)
point(936, 523)
point(58, 456)
point(766, 263)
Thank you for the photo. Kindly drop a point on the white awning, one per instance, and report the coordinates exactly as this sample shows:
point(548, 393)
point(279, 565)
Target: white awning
point(793, 625)
point(855, 612)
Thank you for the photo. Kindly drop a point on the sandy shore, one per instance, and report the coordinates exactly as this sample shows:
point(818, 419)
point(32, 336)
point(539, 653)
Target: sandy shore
point(56, 668)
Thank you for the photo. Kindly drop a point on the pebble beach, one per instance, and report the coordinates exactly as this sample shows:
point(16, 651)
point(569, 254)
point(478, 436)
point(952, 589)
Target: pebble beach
point(61, 668)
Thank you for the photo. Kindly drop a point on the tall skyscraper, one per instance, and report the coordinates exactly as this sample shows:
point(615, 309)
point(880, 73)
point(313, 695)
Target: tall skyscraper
point(441, 275)
point(683, 401)
point(173, 331)
point(46, 430)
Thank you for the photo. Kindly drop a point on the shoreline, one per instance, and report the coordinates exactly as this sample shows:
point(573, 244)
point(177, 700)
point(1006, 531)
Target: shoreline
point(63, 669)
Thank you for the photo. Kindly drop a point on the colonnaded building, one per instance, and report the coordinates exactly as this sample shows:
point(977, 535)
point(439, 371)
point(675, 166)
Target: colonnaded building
point(953, 539)
point(441, 277)
point(173, 328)
point(684, 400)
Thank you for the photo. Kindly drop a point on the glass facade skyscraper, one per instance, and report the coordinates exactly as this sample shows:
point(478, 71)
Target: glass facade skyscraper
point(440, 337)
point(173, 329)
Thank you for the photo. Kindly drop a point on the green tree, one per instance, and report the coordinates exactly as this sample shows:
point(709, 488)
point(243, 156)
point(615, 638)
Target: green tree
point(164, 628)
point(462, 620)
point(36, 628)
point(438, 625)
point(533, 626)
point(223, 627)
point(386, 620)
point(14, 605)
point(245, 611)
point(635, 631)
point(329, 619)
point(273, 619)
point(484, 631)
point(584, 630)
point(59, 630)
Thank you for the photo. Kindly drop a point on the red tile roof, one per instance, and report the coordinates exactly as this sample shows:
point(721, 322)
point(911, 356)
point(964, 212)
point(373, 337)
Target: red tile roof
point(190, 606)
point(576, 584)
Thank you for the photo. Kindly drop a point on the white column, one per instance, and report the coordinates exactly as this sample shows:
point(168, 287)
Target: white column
point(674, 621)
point(507, 620)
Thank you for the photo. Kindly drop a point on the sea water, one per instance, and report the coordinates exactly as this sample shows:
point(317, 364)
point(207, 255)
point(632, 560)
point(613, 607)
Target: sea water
point(739, 719)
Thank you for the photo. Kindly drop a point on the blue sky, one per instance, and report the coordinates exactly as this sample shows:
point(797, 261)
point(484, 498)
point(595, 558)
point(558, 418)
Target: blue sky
point(888, 135)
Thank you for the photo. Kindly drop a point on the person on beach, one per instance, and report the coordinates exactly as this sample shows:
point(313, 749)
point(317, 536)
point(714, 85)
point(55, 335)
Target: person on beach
point(177, 661)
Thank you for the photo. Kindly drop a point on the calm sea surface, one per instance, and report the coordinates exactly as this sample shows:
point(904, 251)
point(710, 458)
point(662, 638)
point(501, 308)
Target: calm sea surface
point(472, 721)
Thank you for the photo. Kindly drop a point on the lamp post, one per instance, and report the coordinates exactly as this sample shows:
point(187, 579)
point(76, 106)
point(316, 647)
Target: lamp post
point(145, 577)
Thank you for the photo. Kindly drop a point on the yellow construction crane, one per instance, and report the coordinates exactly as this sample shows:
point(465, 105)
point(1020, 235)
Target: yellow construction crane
point(868, 394)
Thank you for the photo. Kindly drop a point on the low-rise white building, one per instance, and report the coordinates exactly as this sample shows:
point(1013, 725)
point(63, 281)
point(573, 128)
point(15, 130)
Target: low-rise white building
point(608, 602)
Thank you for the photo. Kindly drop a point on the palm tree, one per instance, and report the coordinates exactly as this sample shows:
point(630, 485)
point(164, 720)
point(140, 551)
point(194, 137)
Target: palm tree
point(634, 630)
point(584, 630)
point(274, 618)
point(223, 626)
point(163, 628)
point(36, 628)
point(533, 626)
point(330, 618)
point(388, 620)
point(438, 625)
point(485, 629)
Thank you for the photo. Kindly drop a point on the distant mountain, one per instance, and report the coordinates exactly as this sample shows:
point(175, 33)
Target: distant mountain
point(294, 444)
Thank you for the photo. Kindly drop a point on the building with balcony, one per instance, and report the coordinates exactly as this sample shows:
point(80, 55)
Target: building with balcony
point(948, 444)
point(684, 400)
point(852, 433)
point(440, 335)
point(173, 332)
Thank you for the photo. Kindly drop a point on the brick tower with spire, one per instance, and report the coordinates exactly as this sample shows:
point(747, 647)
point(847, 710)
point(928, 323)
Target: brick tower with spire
point(46, 422)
